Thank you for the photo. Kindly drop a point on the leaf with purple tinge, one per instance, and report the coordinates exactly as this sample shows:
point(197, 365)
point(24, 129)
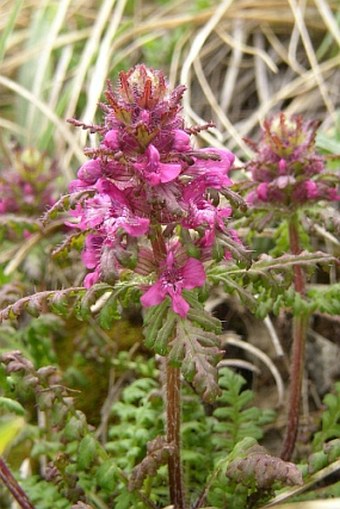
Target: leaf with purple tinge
point(261, 469)
point(198, 353)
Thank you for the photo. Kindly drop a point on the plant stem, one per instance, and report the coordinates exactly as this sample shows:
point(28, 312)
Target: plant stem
point(13, 486)
point(173, 410)
point(298, 349)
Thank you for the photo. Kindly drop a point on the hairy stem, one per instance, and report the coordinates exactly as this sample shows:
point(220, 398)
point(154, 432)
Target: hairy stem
point(298, 349)
point(13, 486)
point(173, 410)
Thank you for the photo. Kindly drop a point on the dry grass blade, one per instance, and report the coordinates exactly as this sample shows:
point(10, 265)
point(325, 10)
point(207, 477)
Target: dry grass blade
point(311, 56)
point(200, 40)
point(244, 48)
point(88, 53)
point(62, 129)
point(12, 127)
point(216, 108)
point(229, 339)
point(233, 69)
point(239, 363)
point(329, 19)
point(312, 504)
point(101, 67)
point(298, 86)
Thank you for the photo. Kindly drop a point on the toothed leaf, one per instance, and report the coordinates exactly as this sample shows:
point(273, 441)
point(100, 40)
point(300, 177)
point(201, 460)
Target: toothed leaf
point(198, 353)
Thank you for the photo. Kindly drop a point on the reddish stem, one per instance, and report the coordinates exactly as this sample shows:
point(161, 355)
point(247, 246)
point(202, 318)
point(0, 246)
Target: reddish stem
point(13, 486)
point(158, 244)
point(298, 350)
point(173, 410)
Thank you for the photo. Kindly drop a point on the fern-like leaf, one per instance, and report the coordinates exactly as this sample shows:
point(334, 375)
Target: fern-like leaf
point(66, 202)
point(159, 322)
point(234, 418)
point(158, 451)
point(198, 353)
point(74, 241)
point(58, 301)
point(18, 223)
point(259, 469)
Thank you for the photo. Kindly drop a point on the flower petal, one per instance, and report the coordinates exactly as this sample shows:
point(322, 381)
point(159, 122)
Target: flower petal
point(153, 296)
point(193, 274)
point(169, 171)
point(179, 305)
point(134, 226)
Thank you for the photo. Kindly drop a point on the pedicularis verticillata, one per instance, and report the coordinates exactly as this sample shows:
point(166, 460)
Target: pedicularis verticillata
point(155, 207)
point(156, 210)
point(286, 170)
point(288, 176)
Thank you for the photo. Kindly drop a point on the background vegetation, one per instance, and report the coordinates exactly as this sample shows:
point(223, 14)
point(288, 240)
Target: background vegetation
point(241, 61)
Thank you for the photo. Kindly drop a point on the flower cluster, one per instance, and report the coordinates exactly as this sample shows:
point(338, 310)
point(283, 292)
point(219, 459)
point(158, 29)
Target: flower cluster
point(286, 169)
point(28, 187)
point(155, 200)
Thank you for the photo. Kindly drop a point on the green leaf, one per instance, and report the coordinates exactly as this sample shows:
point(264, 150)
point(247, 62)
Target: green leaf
point(8, 431)
point(10, 405)
point(330, 421)
point(8, 27)
point(109, 312)
point(74, 241)
point(66, 202)
point(233, 419)
point(200, 316)
point(37, 303)
point(87, 452)
point(198, 353)
point(165, 333)
point(107, 476)
point(153, 320)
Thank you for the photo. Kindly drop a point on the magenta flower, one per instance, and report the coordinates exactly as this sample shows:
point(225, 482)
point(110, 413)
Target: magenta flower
point(286, 169)
point(28, 187)
point(213, 172)
point(149, 189)
point(173, 279)
point(155, 172)
point(200, 210)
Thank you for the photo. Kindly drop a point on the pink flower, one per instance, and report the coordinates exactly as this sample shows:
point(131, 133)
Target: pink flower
point(145, 175)
point(181, 141)
point(172, 281)
point(90, 171)
point(213, 172)
point(262, 191)
point(107, 215)
point(156, 172)
point(111, 139)
point(286, 169)
point(311, 189)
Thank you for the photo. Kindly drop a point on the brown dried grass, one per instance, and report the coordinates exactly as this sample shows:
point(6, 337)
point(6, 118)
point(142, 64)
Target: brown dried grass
point(241, 60)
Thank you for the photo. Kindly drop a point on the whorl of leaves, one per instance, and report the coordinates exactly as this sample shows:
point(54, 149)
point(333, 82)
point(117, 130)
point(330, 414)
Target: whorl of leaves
point(260, 468)
point(191, 343)
point(158, 451)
